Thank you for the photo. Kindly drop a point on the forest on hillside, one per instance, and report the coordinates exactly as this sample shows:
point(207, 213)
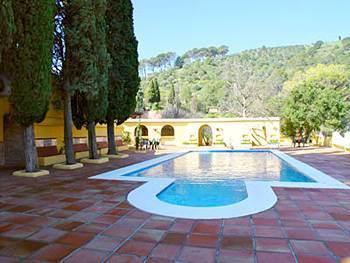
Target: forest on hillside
point(210, 82)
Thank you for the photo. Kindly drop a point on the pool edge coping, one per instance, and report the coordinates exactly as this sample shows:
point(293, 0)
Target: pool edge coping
point(145, 197)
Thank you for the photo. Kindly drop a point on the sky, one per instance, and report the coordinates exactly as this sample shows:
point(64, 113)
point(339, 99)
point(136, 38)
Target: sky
point(180, 25)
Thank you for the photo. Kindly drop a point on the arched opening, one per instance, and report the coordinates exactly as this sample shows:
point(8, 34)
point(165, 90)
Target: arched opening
point(167, 130)
point(205, 136)
point(144, 131)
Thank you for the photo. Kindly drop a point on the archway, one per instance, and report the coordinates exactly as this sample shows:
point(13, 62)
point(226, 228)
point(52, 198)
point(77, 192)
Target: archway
point(144, 131)
point(205, 136)
point(167, 130)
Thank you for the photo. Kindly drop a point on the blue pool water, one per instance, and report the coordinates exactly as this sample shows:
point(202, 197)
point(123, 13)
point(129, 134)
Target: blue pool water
point(217, 178)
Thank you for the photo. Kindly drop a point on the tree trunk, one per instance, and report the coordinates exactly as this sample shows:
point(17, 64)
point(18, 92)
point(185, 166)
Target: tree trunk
point(111, 138)
point(30, 153)
point(92, 140)
point(68, 136)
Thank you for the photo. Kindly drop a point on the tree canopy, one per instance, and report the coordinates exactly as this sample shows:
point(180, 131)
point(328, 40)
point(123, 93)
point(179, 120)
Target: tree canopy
point(30, 61)
point(122, 46)
point(153, 93)
point(318, 100)
point(7, 26)
point(202, 79)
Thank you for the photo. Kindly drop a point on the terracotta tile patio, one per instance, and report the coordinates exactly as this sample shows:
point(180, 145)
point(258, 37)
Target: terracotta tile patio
point(66, 217)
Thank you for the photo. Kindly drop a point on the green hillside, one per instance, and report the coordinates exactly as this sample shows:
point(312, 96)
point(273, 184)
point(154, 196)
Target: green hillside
point(205, 80)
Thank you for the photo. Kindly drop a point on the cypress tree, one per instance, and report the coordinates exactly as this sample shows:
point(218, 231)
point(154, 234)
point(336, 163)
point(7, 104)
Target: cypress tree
point(124, 78)
point(80, 68)
point(30, 69)
point(153, 93)
point(90, 106)
point(7, 26)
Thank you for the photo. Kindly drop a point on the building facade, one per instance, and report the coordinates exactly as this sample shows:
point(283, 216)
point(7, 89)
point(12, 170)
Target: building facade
point(229, 131)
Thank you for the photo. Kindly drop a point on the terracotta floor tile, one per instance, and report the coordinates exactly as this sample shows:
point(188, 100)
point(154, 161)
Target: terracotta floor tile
point(47, 235)
point(4, 226)
point(266, 221)
point(238, 230)
point(271, 257)
point(207, 228)
point(139, 214)
point(341, 216)
point(272, 244)
point(300, 233)
point(340, 249)
point(174, 238)
point(104, 243)
point(237, 242)
point(324, 224)
point(8, 259)
point(237, 256)
point(125, 259)
point(294, 223)
point(68, 226)
point(94, 228)
point(119, 231)
point(309, 247)
point(138, 248)
point(118, 212)
point(201, 240)
point(182, 226)
point(165, 251)
point(269, 231)
point(106, 219)
point(237, 221)
point(21, 209)
point(312, 259)
point(150, 235)
point(333, 235)
point(159, 260)
point(23, 248)
point(6, 241)
point(87, 255)
point(54, 252)
point(158, 224)
point(69, 199)
point(197, 254)
point(22, 231)
point(75, 239)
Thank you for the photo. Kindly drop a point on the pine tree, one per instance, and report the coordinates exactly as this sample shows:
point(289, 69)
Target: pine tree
point(30, 69)
point(123, 75)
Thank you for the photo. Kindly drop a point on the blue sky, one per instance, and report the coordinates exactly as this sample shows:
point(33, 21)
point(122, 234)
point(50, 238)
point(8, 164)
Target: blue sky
point(180, 25)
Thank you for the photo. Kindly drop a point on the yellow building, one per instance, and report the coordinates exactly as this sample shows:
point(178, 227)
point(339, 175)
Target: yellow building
point(49, 138)
point(233, 132)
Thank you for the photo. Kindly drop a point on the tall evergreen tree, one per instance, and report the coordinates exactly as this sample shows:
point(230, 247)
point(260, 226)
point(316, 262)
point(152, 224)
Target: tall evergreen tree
point(7, 26)
point(153, 93)
point(123, 75)
point(30, 69)
point(86, 65)
point(90, 106)
point(79, 64)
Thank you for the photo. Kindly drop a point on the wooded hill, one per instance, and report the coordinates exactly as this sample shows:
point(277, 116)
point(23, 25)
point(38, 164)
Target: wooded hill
point(210, 82)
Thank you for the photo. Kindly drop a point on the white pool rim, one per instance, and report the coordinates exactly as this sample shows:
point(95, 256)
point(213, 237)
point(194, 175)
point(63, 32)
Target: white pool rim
point(260, 195)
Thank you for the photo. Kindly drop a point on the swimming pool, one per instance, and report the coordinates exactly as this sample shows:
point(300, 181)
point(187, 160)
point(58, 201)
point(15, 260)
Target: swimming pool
point(200, 176)
point(216, 184)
